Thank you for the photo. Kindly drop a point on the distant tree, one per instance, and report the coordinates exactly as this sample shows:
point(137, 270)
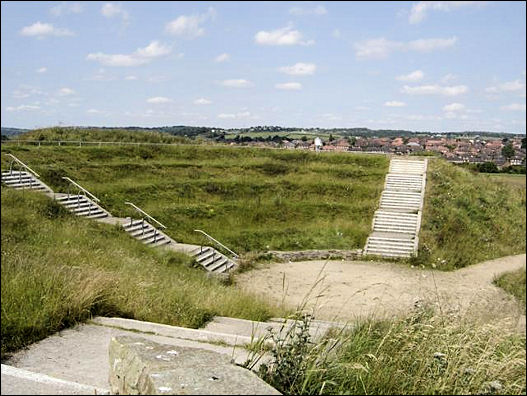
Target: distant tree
point(488, 167)
point(524, 144)
point(405, 140)
point(352, 140)
point(331, 138)
point(304, 138)
point(508, 151)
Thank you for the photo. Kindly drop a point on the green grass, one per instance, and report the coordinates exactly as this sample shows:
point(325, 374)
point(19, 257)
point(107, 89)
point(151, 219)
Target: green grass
point(469, 218)
point(422, 354)
point(511, 179)
point(58, 269)
point(249, 199)
point(513, 283)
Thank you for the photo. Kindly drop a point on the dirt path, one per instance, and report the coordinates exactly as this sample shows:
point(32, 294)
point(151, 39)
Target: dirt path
point(343, 290)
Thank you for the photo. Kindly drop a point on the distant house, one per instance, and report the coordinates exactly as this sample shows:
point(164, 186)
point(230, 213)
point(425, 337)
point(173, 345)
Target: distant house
point(318, 144)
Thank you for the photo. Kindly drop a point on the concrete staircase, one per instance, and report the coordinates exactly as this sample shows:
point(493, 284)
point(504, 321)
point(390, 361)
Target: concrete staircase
point(81, 205)
point(146, 233)
point(212, 260)
point(21, 180)
point(396, 224)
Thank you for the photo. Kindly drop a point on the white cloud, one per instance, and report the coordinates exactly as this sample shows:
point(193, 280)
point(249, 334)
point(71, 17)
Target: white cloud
point(66, 92)
point(42, 70)
point(510, 86)
point(40, 30)
point(25, 91)
point(140, 57)
point(448, 78)
point(22, 108)
point(66, 7)
point(130, 78)
point(189, 25)
point(113, 10)
point(94, 111)
point(317, 10)
point(435, 90)
point(394, 103)
point(243, 114)
point(454, 107)
point(411, 77)
point(237, 83)
point(361, 108)
point(202, 101)
point(299, 69)
point(289, 86)
point(336, 33)
point(514, 107)
point(420, 9)
point(380, 48)
point(158, 100)
point(222, 58)
point(153, 50)
point(283, 36)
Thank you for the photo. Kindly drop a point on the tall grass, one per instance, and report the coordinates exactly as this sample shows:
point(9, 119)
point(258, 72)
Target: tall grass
point(421, 354)
point(58, 270)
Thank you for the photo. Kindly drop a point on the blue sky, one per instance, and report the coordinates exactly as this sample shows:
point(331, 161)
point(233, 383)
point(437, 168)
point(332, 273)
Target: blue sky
point(435, 66)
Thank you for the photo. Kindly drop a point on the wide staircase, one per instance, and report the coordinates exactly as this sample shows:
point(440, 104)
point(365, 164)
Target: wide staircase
point(80, 202)
point(396, 224)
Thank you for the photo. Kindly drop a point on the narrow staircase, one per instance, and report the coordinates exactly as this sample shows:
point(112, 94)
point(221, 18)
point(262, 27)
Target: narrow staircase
point(81, 205)
point(396, 224)
point(212, 260)
point(146, 233)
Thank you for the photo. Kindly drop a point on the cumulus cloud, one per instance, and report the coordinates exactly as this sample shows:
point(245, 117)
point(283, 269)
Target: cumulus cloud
point(67, 7)
point(420, 9)
point(240, 115)
point(140, 57)
point(435, 90)
point(454, 107)
point(283, 36)
point(114, 10)
point(190, 26)
point(237, 83)
point(158, 100)
point(380, 48)
point(514, 107)
point(40, 30)
point(289, 86)
point(510, 86)
point(299, 69)
point(202, 101)
point(394, 103)
point(300, 11)
point(42, 70)
point(411, 77)
point(222, 58)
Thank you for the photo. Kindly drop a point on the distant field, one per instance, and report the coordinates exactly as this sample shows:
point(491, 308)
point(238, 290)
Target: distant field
point(249, 199)
point(511, 179)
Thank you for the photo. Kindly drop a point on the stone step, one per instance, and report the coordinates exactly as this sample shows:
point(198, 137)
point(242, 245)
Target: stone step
point(14, 179)
point(148, 234)
point(76, 204)
point(97, 215)
point(385, 221)
point(30, 184)
point(390, 248)
point(137, 226)
point(222, 262)
point(409, 217)
point(155, 240)
point(141, 232)
point(90, 208)
point(394, 255)
point(397, 230)
point(389, 199)
point(395, 214)
point(205, 255)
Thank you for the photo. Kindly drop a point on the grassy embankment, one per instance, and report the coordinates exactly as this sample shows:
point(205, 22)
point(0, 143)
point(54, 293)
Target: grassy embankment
point(513, 283)
point(469, 218)
point(249, 199)
point(58, 269)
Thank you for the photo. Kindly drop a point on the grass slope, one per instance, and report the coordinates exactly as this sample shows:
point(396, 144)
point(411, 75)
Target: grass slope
point(58, 269)
point(513, 283)
point(249, 199)
point(469, 218)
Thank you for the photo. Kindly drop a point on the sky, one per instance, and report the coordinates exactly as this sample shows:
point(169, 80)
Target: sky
point(421, 66)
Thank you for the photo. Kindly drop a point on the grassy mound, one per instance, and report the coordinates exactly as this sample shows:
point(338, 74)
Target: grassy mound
point(58, 269)
point(249, 199)
point(469, 218)
point(513, 283)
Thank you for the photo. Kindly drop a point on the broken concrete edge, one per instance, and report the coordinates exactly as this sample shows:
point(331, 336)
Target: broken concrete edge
point(184, 333)
point(307, 255)
point(71, 386)
point(140, 366)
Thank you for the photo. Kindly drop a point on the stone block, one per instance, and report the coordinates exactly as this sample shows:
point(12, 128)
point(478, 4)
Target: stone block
point(139, 367)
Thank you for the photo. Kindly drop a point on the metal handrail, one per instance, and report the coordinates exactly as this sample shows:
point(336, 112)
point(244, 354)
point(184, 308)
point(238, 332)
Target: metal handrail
point(24, 165)
point(82, 188)
point(218, 242)
point(146, 214)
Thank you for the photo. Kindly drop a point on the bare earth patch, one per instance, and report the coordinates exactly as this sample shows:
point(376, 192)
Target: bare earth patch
point(344, 290)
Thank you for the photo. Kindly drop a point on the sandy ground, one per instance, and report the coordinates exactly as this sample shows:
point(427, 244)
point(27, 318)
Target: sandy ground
point(344, 290)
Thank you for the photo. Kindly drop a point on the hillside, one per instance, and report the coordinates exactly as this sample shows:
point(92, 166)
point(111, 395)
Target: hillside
point(58, 269)
point(249, 199)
